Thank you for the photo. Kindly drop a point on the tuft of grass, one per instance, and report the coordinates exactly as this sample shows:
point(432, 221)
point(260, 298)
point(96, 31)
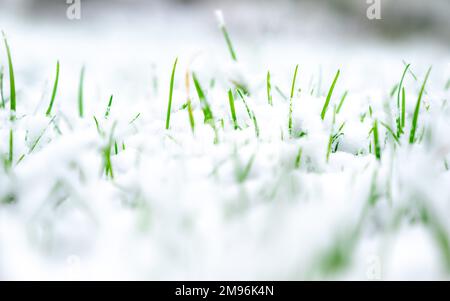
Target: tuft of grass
point(108, 108)
point(232, 109)
point(107, 155)
point(269, 89)
point(80, 93)
point(12, 85)
point(169, 106)
point(330, 93)
point(400, 108)
point(344, 96)
point(223, 28)
point(2, 97)
point(55, 88)
point(417, 109)
point(376, 140)
point(291, 98)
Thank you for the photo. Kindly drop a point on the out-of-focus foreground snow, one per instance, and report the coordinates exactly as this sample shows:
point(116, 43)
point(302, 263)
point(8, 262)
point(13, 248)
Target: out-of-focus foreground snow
point(183, 207)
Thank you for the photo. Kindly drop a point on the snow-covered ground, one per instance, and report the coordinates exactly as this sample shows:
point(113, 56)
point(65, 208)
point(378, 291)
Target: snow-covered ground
point(261, 202)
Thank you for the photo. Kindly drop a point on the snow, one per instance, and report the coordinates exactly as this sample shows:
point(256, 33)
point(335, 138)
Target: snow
point(178, 208)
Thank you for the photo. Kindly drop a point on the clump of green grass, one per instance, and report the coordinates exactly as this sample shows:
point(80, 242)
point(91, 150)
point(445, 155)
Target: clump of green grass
point(232, 109)
point(330, 93)
point(269, 89)
point(169, 106)
point(80, 94)
point(294, 78)
point(223, 28)
point(108, 107)
point(12, 85)
point(417, 109)
point(55, 88)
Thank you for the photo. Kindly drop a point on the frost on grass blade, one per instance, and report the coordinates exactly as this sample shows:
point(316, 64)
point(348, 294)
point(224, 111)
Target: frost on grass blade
point(169, 105)
point(417, 109)
point(55, 88)
point(12, 85)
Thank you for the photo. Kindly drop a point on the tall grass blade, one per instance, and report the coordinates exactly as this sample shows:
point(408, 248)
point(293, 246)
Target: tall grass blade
point(330, 93)
point(291, 99)
point(12, 84)
point(269, 89)
point(169, 106)
point(232, 109)
point(80, 94)
point(417, 109)
point(55, 88)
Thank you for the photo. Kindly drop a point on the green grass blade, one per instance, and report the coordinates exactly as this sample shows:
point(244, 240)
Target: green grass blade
point(232, 109)
point(108, 108)
point(55, 88)
point(2, 96)
point(250, 112)
point(169, 106)
point(12, 85)
point(417, 109)
point(389, 129)
point(11, 148)
point(204, 103)
point(224, 30)
point(341, 102)
point(191, 115)
point(330, 93)
point(80, 94)
point(403, 119)
point(376, 140)
point(291, 99)
point(269, 89)
point(298, 159)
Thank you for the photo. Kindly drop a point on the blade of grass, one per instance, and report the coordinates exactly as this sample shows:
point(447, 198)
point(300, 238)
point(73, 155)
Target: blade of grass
point(344, 96)
point(232, 109)
point(250, 112)
point(223, 28)
point(108, 108)
point(290, 100)
point(169, 106)
point(330, 93)
point(80, 93)
point(403, 119)
point(417, 109)
point(204, 103)
point(269, 89)
point(3, 104)
point(12, 85)
point(298, 159)
point(376, 140)
point(11, 148)
point(55, 88)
